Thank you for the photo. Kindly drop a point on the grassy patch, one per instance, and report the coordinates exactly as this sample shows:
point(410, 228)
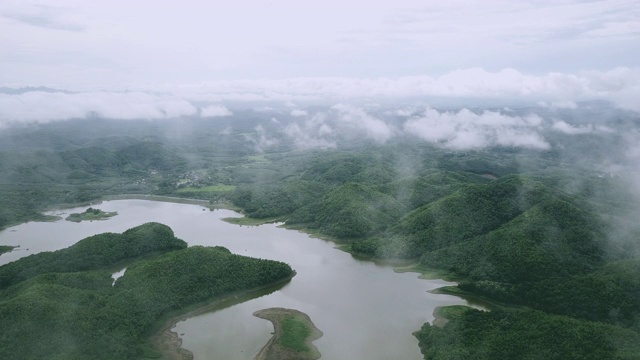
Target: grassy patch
point(453, 311)
point(294, 333)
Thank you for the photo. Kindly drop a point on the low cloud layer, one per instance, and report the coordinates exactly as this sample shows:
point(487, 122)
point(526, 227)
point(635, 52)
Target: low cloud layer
point(46, 106)
point(356, 119)
point(324, 126)
point(569, 129)
point(215, 111)
point(558, 90)
point(49, 106)
point(555, 91)
point(262, 140)
point(467, 130)
point(458, 130)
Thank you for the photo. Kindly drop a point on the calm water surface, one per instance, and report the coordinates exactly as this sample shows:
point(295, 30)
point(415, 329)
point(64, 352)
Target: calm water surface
point(365, 310)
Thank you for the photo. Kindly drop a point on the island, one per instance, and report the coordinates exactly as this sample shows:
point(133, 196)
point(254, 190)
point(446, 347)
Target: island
point(293, 335)
point(91, 214)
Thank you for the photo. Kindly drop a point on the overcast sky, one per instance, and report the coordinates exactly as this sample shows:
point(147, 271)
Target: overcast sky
point(548, 51)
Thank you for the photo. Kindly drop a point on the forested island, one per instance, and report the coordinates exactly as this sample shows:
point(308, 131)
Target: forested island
point(548, 235)
point(90, 214)
point(62, 304)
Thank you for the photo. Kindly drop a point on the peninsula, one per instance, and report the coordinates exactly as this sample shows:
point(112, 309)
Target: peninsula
point(293, 335)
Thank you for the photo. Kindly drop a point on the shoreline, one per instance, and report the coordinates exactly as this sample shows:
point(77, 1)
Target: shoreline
point(471, 298)
point(439, 319)
point(274, 350)
point(162, 198)
point(169, 343)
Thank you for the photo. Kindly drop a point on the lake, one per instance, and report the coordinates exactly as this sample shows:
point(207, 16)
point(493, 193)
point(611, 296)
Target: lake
point(365, 310)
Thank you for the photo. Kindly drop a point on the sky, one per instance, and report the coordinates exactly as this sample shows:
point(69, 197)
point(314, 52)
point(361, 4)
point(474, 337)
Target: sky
point(171, 55)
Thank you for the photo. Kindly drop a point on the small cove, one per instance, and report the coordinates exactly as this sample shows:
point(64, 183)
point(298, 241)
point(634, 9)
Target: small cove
point(365, 310)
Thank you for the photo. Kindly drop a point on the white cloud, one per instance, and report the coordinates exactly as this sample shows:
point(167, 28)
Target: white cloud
point(298, 113)
point(459, 130)
point(604, 129)
point(324, 129)
point(467, 130)
point(45, 106)
point(554, 90)
point(357, 119)
point(569, 129)
point(262, 140)
point(312, 134)
point(215, 111)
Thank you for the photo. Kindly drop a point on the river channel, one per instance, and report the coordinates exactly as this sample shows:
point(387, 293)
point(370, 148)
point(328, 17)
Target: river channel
point(365, 310)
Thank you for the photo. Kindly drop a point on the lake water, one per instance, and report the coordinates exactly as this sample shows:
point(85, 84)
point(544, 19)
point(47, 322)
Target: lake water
point(365, 310)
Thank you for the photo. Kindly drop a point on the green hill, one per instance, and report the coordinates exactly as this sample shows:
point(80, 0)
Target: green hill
point(94, 252)
point(349, 211)
point(552, 239)
point(524, 334)
point(67, 308)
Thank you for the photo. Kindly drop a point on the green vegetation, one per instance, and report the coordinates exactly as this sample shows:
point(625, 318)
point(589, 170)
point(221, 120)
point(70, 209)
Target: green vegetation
point(520, 334)
point(62, 305)
point(94, 252)
point(608, 295)
point(90, 214)
point(349, 211)
point(294, 334)
point(20, 203)
point(552, 239)
point(532, 239)
point(6, 249)
point(548, 231)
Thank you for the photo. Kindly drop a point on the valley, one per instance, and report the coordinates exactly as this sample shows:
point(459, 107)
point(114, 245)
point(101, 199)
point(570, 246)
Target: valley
point(538, 236)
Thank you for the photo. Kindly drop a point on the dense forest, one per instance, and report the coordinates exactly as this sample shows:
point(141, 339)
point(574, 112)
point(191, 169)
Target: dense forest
point(519, 238)
point(549, 236)
point(64, 305)
point(524, 334)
